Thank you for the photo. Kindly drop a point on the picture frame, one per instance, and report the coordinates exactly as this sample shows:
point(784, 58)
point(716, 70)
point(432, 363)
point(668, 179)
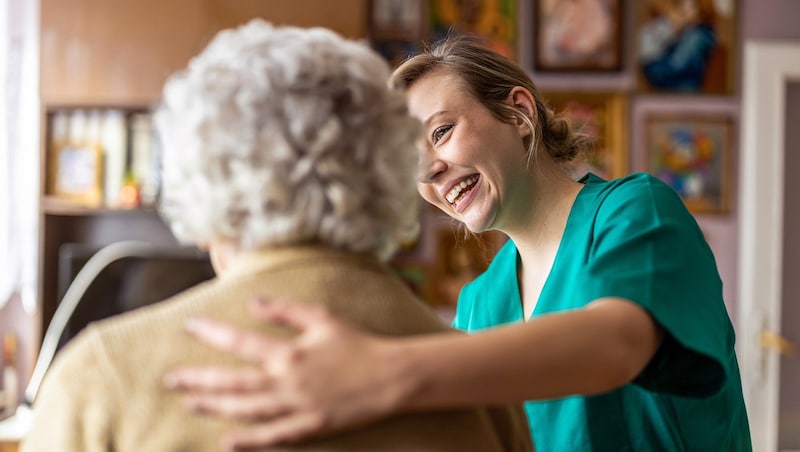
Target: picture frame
point(493, 23)
point(696, 56)
point(692, 152)
point(578, 36)
point(604, 117)
point(77, 173)
point(396, 27)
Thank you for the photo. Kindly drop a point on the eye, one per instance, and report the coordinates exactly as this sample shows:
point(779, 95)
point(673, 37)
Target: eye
point(440, 132)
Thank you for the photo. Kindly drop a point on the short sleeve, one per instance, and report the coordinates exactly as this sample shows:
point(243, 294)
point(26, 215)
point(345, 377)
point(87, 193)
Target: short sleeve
point(647, 248)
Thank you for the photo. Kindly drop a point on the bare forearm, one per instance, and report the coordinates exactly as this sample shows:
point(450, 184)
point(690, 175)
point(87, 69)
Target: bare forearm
point(587, 351)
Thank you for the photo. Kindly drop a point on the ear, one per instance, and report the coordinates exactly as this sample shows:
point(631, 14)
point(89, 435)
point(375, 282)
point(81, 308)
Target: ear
point(522, 99)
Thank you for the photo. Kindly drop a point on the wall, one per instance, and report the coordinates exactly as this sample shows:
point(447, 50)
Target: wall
point(771, 19)
point(120, 52)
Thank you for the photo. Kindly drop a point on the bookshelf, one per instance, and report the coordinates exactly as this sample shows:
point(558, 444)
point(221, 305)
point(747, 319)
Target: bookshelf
point(112, 59)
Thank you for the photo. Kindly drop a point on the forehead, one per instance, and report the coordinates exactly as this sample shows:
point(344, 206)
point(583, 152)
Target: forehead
point(438, 91)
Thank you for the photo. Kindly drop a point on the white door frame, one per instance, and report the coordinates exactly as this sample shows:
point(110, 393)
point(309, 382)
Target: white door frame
point(768, 66)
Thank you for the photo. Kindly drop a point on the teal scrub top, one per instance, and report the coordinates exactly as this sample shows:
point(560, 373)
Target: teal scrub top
point(631, 238)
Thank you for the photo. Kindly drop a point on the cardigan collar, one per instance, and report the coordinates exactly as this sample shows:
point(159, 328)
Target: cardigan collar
point(252, 262)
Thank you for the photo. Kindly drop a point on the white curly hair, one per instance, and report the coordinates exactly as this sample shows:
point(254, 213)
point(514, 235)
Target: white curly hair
point(278, 135)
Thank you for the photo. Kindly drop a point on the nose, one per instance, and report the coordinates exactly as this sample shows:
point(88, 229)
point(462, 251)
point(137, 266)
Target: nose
point(430, 167)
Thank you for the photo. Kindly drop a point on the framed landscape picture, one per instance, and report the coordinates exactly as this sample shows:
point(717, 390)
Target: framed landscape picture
point(578, 35)
point(692, 153)
point(602, 116)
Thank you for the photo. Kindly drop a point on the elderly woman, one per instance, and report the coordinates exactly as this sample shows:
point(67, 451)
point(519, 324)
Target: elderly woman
point(286, 155)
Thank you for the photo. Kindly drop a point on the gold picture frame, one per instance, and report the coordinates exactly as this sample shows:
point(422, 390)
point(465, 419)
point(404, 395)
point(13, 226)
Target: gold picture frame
point(604, 117)
point(77, 173)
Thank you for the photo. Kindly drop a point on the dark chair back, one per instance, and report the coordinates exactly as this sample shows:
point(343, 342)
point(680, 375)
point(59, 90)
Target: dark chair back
point(114, 279)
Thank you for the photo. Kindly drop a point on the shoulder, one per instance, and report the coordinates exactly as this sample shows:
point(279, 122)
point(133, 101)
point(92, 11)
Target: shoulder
point(639, 192)
point(130, 343)
point(630, 185)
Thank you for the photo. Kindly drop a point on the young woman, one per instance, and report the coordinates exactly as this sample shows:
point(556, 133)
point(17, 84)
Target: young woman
point(613, 324)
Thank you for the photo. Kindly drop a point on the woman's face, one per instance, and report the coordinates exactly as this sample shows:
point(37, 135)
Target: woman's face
point(471, 164)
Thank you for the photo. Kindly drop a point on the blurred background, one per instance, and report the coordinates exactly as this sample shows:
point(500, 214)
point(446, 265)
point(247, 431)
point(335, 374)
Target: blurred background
point(664, 85)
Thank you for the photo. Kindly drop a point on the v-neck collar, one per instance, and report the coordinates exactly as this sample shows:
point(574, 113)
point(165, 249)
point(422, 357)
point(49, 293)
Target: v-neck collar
point(580, 200)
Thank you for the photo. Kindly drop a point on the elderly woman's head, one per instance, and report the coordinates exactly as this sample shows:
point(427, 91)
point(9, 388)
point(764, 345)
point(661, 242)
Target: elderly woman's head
point(281, 135)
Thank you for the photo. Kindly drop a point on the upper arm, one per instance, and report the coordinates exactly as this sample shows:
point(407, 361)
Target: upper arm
point(649, 250)
point(636, 336)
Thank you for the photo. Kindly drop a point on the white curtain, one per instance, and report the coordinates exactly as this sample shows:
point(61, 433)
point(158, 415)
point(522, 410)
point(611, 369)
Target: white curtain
point(19, 150)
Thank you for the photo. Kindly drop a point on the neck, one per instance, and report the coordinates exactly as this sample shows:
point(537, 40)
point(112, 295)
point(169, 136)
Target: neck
point(541, 229)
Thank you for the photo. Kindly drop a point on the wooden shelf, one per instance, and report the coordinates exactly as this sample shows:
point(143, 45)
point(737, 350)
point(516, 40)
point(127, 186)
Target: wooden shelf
point(52, 205)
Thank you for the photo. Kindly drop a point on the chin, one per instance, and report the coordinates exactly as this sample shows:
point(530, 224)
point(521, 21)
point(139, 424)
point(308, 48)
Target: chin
point(476, 225)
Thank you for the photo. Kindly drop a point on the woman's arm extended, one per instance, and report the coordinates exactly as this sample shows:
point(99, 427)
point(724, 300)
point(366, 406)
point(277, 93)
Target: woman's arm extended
point(332, 377)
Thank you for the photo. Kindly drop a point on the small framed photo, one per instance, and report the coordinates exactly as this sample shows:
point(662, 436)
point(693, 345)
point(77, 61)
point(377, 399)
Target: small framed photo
point(493, 23)
point(602, 116)
point(77, 173)
point(578, 36)
point(692, 153)
point(396, 27)
point(686, 46)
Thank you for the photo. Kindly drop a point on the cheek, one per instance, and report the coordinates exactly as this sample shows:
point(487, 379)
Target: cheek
point(427, 192)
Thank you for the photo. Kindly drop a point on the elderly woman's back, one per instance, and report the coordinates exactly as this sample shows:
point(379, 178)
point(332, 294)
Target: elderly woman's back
point(288, 157)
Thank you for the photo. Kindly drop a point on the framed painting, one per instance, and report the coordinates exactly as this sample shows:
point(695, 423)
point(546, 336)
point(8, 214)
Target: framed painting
point(494, 22)
point(692, 153)
point(686, 46)
point(602, 116)
point(396, 27)
point(578, 35)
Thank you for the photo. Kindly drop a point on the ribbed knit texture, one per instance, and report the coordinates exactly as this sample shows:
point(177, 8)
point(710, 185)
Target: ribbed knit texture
point(105, 391)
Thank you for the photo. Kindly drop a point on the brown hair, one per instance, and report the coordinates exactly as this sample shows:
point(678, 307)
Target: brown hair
point(490, 77)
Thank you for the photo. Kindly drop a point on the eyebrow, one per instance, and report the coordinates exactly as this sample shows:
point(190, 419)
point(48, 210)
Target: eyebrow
point(430, 118)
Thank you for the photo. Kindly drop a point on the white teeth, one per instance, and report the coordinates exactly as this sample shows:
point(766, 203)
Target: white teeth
point(456, 190)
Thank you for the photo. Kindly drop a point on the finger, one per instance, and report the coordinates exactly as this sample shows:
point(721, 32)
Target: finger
point(215, 379)
point(243, 407)
point(245, 344)
point(299, 316)
point(285, 430)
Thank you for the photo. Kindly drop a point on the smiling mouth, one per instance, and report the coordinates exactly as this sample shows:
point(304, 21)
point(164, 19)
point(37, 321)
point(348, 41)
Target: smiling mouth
point(461, 189)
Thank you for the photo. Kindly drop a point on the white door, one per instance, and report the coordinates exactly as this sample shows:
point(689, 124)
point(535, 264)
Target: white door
point(768, 315)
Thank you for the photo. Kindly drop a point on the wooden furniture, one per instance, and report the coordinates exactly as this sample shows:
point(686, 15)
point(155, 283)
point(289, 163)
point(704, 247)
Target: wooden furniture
point(96, 53)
